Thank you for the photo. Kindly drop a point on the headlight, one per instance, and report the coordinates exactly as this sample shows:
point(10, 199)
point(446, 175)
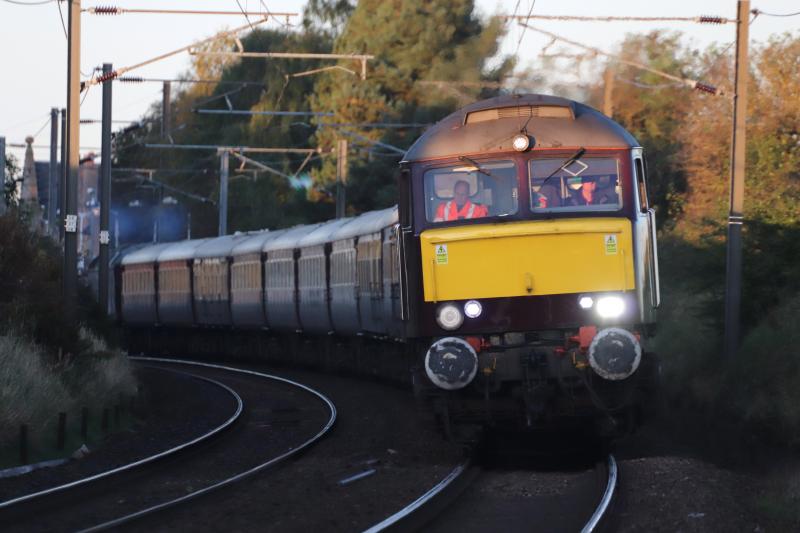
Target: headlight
point(521, 142)
point(473, 309)
point(586, 302)
point(449, 317)
point(610, 306)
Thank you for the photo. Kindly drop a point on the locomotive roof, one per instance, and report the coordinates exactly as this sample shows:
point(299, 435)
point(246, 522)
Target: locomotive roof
point(218, 246)
point(366, 223)
point(180, 250)
point(490, 125)
point(255, 241)
point(143, 254)
point(323, 233)
point(290, 238)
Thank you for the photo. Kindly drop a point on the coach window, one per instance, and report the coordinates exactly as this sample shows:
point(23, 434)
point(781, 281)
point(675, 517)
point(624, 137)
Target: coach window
point(471, 190)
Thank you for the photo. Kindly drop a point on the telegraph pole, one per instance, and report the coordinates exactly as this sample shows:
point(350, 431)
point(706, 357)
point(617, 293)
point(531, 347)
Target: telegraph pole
point(2, 175)
point(62, 184)
point(341, 177)
point(223, 192)
point(166, 109)
point(52, 197)
point(73, 163)
point(733, 285)
point(105, 190)
point(608, 90)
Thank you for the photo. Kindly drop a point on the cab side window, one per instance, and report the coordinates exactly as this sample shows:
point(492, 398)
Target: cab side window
point(640, 185)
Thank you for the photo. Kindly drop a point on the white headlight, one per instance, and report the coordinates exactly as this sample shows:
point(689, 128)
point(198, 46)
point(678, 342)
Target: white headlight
point(521, 142)
point(586, 302)
point(473, 309)
point(449, 317)
point(610, 306)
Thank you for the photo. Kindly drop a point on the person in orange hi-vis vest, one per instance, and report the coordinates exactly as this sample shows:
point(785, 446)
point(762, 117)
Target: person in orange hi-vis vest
point(460, 207)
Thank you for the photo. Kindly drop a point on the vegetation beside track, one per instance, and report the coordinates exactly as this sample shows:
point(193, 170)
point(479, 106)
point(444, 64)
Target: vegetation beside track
point(47, 364)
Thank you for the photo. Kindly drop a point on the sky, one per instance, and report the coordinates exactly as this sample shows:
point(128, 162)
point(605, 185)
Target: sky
point(35, 48)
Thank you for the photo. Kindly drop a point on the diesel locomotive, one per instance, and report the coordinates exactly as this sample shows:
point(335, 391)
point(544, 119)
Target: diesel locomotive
point(514, 284)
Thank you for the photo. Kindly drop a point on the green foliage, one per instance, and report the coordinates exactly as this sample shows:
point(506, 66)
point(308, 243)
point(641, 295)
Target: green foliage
point(8, 176)
point(418, 41)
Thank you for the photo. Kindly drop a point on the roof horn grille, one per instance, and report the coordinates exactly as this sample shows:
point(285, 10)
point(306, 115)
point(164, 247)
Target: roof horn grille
point(525, 112)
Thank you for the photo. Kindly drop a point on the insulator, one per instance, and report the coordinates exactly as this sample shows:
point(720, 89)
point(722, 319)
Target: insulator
point(131, 79)
point(703, 87)
point(106, 10)
point(102, 78)
point(710, 19)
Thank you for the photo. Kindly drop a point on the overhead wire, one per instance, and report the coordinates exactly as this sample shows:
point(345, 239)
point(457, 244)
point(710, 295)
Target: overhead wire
point(702, 19)
point(693, 84)
point(20, 3)
point(759, 12)
point(519, 41)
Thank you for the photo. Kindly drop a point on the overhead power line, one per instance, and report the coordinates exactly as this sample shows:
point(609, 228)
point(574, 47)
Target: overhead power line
point(265, 113)
point(112, 10)
point(702, 19)
point(362, 58)
point(240, 149)
point(139, 79)
point(759, 12)
point(693, 84)
point(116, 73)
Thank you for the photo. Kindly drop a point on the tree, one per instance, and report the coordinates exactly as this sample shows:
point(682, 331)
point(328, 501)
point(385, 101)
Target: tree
point(412, 41)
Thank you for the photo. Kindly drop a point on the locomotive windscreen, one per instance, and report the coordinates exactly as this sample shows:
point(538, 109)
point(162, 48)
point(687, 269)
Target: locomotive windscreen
point(588, 184)
point(470, 191)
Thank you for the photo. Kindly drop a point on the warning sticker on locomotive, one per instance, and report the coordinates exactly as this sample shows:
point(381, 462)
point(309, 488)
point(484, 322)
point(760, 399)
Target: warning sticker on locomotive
point(611, 244)
point(441, 254)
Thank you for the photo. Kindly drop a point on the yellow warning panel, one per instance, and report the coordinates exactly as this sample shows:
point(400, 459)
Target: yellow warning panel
point(527, 258)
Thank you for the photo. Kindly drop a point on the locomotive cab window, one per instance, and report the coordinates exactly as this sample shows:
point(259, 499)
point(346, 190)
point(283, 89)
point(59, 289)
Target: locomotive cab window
point(589, 184)
point(471, 191)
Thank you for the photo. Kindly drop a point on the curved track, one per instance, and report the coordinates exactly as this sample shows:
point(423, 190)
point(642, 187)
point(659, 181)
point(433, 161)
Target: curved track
point(80, 505)
point(429, 507)
point(130, 467)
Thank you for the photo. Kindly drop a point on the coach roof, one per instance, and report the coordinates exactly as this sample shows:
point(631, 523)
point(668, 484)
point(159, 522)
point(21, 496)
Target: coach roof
point(146, 254)
point(254, 241)
point(218, 246)
point(490, 126)
point(366, 223)
point(180, 251)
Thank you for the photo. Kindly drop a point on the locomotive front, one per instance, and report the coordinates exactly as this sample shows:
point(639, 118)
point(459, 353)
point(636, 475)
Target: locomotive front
point(529, 258)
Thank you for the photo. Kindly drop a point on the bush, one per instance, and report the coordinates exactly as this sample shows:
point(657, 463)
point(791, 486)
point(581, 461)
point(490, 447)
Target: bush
point(30, 392)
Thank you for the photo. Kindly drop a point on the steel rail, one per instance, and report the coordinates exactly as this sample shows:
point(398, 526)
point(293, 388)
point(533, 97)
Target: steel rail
point(605, 502)
point(142, 462)
point(408, 510)
point(242, 475)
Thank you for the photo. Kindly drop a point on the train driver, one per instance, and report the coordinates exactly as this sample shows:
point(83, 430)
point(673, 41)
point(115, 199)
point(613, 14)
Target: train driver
point(588, 194)
point(460, 207)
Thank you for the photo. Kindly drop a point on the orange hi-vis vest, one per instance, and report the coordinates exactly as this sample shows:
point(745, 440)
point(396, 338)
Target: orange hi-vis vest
point(449, 211)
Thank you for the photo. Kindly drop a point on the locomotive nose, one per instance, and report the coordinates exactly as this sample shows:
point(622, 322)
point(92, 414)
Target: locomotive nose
point(451, 363)
point(615, 354)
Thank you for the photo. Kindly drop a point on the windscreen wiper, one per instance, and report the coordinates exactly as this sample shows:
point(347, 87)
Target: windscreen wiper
point(571, 159)
point(477, 166)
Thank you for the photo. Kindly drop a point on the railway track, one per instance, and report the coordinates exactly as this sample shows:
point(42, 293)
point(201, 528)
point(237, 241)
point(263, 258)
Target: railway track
point(274, 419)
point(458, 503)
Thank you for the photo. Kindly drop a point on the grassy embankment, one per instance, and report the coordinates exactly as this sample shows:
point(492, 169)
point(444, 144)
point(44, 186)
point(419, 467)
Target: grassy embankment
point(47, 364)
